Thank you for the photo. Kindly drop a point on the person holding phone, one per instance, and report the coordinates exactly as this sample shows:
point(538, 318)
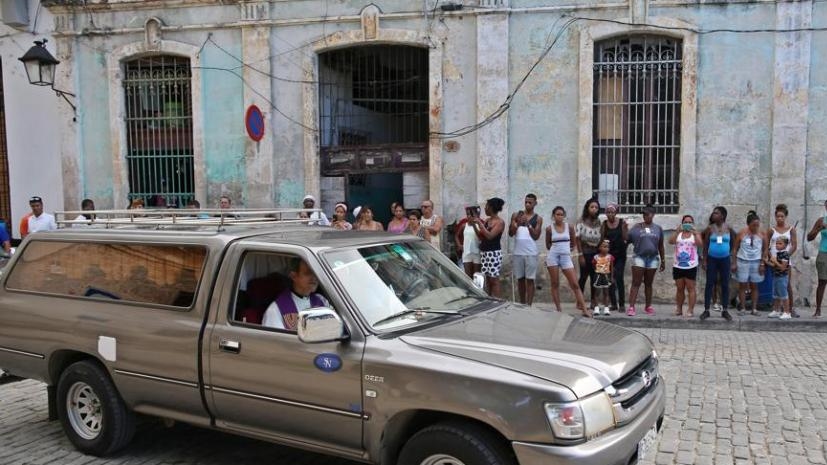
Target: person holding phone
point(687, 241)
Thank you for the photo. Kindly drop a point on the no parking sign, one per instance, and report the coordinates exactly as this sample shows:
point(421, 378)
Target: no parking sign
point(254, 121)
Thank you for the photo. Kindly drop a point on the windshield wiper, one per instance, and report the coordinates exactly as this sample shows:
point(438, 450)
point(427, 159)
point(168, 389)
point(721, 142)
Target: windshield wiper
point(420, 310)
point(468, 296)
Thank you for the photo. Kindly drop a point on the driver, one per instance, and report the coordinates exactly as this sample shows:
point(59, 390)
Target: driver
point(283, 313)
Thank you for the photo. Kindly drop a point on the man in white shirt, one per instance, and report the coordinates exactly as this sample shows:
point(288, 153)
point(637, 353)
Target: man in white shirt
point(283, 313)
point(40, 221)
point(87, 218)
point(320, 218)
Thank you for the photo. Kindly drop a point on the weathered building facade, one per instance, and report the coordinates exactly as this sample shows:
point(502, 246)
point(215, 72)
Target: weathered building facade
point(681, 104)
point(32, 118)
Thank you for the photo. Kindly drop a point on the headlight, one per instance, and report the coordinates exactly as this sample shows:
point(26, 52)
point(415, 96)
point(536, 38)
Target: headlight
point(585, 418)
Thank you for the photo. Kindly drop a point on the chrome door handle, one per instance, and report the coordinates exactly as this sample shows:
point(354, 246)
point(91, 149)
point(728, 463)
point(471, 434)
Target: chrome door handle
point(232, 347)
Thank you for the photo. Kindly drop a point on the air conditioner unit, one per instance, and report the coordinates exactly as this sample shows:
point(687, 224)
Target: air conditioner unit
point(15, 13)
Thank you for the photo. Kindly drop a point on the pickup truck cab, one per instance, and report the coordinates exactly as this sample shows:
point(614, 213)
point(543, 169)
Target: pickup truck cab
point(405, 361)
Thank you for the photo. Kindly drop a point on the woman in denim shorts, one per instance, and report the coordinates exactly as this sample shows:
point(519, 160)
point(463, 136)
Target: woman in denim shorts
point(647, 240)
point(748, 265)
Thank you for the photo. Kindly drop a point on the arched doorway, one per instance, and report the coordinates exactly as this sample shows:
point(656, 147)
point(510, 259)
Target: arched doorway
point(374, 121)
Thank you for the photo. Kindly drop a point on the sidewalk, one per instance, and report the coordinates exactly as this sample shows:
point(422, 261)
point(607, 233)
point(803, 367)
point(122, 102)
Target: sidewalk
point(664, 318)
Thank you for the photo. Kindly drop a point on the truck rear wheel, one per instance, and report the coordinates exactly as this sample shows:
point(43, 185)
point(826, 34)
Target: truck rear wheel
point(91, 411)
point(454, 444)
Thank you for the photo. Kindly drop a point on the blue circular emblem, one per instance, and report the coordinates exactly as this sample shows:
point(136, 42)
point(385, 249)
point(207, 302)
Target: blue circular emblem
point(328, 362)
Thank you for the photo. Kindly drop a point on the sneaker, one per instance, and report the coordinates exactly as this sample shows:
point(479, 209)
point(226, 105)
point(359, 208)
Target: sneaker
point(650, 310)
point(596, 310)
point(774, 314)
point(606, 311)
point(631, 311)
point(785, 316)
point(704, 315)
point(726, 315)
point(717, 307)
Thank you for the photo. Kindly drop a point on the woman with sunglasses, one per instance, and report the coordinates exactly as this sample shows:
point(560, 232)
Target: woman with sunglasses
point(749, 260)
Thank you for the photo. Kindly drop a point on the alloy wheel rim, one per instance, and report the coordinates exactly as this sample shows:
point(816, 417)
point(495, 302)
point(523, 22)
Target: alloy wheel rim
point(442, 459)
point(83, 407)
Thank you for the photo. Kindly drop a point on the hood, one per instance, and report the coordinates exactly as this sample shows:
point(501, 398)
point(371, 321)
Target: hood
point(580, 353)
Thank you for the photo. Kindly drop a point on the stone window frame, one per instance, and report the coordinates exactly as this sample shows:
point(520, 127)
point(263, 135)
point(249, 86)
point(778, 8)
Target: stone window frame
point(598, 31)
point(117, 108)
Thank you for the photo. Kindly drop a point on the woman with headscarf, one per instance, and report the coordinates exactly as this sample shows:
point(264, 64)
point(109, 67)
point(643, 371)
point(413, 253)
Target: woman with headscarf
point(616, 231)
point(647, 240)
point(340, 218)
point(491, 230)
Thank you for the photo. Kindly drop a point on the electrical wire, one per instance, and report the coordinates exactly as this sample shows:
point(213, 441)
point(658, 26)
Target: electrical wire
point(255, 91)
point(506, 105)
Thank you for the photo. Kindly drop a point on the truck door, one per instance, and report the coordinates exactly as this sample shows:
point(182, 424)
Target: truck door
point(265, 382)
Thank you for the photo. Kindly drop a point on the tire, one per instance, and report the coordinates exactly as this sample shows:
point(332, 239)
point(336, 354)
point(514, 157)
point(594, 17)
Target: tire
point(92, 413)
point(455, 444)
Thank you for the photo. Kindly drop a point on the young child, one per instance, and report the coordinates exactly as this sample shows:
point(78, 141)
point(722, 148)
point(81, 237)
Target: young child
point(780, 264)
point(603, 265)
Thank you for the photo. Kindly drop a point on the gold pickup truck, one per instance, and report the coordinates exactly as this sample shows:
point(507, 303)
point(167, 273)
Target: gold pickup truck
point(388, 354)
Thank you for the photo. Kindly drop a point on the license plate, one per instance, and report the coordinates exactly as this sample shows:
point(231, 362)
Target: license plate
point(645, 444)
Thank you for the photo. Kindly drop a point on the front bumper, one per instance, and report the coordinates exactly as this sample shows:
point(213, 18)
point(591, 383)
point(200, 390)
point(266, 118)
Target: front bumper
point(618, 447)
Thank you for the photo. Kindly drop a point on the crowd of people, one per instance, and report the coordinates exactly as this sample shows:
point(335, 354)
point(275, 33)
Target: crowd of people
point(600, 248)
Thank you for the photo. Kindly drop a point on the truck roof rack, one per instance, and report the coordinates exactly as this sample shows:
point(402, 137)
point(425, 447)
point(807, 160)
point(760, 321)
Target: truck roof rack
point(167, 218)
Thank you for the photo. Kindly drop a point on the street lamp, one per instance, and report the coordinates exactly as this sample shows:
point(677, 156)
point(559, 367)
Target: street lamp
point(40, 69)
point(40, 64)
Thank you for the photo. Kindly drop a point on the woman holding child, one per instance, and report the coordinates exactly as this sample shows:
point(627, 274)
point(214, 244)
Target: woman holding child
point(782, 229)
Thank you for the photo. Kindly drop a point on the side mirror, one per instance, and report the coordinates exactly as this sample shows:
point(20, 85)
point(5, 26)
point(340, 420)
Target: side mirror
point(320, 324)
point(479, 280)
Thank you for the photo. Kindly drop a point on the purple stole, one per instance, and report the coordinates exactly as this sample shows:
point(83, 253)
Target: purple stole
point(288, 310)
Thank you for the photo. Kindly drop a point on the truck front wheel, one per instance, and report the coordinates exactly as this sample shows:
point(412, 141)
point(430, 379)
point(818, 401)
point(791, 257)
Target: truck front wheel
point(454, 444)
point(91, 411)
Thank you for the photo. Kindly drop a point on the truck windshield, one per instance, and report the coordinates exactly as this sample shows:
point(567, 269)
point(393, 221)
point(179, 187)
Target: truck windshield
point(403, 283)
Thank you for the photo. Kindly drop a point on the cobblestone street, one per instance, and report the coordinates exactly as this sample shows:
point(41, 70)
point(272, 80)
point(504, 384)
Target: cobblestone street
point(732, 398)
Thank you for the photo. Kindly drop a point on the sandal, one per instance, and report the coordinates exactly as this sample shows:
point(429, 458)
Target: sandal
point(677, 313)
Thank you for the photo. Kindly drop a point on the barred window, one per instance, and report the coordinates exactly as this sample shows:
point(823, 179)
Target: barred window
point(636, 127)
point(159, 130)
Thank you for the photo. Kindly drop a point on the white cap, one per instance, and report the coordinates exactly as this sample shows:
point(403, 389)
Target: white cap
point(309, 197)
point(356, 211)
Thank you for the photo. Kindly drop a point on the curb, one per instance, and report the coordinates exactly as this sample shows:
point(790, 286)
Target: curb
point(664, 319)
